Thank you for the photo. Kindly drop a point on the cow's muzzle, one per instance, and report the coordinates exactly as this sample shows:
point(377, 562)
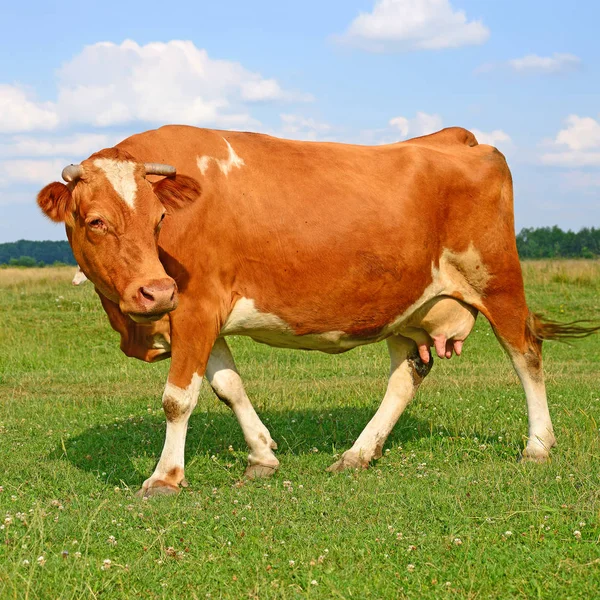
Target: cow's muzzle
point(150, 301)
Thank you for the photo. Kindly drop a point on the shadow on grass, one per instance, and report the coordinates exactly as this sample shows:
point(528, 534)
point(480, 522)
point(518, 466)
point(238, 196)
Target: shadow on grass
point(118, 449)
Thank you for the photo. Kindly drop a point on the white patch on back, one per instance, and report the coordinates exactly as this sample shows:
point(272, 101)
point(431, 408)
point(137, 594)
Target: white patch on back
point(120, 175)
point(225, 164)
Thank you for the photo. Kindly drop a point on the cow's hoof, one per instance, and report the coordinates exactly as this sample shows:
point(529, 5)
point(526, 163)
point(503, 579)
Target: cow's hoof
point(260, 471)
point(158, 490)
point(348, 462)
point(534, 457)
point(537, 450)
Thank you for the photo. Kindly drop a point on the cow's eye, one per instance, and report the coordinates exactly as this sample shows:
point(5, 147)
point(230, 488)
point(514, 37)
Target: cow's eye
point(97, 225)
point(159, 224)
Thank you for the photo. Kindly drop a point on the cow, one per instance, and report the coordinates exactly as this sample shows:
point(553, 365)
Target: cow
point(79, 278)
point(191, 235)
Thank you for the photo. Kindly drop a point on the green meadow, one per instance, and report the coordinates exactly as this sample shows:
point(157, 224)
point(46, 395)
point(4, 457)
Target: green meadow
point(447, 512)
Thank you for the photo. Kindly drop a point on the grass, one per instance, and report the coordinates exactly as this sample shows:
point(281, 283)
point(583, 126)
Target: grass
point(448, 512)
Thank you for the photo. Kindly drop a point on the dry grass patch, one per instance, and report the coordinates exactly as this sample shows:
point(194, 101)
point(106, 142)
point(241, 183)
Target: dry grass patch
point(13, 276)
point(577, 272)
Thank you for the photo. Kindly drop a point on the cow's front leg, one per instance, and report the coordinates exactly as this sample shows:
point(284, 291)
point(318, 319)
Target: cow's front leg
point(407, 371)
point(178, 404)
point(227, 385)
point(188, 365)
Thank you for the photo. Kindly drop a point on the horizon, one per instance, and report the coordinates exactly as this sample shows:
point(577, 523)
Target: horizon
point(525, 78)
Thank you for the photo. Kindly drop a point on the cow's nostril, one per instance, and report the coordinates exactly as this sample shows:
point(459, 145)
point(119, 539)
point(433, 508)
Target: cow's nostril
point(146, 294)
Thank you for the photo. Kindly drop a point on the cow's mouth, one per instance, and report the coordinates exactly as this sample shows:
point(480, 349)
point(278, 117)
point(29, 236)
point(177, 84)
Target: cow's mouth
point(146, 317)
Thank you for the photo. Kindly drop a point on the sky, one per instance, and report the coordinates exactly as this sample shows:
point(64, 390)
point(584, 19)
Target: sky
point(524, 76)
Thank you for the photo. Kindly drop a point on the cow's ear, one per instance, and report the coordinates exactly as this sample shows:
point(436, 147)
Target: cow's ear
point(177, 191)
point(56, 202)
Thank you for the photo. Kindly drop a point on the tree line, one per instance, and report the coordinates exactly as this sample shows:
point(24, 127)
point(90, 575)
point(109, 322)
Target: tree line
point(553, 242)
point(27, 253)
point(532, 242)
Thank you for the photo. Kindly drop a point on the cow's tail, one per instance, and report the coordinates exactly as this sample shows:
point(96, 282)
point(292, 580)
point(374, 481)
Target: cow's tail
point(542, 329)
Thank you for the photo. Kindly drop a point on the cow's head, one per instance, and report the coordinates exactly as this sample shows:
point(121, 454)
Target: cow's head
point(113, 216)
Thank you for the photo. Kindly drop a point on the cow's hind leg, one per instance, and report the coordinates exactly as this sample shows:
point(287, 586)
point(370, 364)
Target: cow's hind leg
point(407, 371)
point(517, 331)
point(227, 385)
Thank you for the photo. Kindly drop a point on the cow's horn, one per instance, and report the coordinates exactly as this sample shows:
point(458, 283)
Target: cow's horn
point(158, 169)
point(72, 173)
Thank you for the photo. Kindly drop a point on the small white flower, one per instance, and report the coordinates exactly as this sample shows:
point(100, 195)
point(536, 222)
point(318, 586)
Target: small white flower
point(410, 567)
point(41, 561)
point(106, 564)
point(314, 582)
point(112, 540)
point(508, 533)
point(25, 563)
point(292, 563)
point(77, 554)
point(577, 534)
point(457, 541)
point(558, 478)
point(581, 523)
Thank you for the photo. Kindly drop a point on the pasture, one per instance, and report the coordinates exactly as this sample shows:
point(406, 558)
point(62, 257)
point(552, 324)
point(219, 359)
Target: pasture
point(447, 512)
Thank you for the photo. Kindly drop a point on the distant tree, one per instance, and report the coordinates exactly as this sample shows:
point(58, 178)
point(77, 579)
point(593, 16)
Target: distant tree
point(46, 252)
point(553, 242)
point(23, 261)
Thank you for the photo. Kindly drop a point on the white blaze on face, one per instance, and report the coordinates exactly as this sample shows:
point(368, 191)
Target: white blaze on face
point(224, 164)
point(120, 175)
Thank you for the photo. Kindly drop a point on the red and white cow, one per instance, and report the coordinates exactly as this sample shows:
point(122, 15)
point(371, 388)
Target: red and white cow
point(317, 246)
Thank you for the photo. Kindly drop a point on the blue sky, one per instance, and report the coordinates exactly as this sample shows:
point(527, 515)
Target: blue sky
point(525, 76)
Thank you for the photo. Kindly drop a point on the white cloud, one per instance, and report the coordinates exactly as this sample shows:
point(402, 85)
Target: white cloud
point(497, 137)
point(402, 124)
point(303, 128)
point(421, 124)
point(532, 64)
point(174, 82)
point(581, 180)
point(39, 172)
point(78, 145)
point(578, 145)
point(18, 112)
point(401, 25)
point(557, 63)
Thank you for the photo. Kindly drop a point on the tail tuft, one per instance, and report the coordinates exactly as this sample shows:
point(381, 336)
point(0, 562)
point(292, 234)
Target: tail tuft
point(545, 329)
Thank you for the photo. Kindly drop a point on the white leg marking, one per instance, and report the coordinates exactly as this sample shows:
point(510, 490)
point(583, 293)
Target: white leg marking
point(227, 384)
point(541, 434)
point(400, 391)
point(224, 164)
point(178, 405)
point(120, 174)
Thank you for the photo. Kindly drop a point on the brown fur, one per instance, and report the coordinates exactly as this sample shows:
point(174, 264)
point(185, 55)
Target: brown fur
point(177, 192)
point(56, 202)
